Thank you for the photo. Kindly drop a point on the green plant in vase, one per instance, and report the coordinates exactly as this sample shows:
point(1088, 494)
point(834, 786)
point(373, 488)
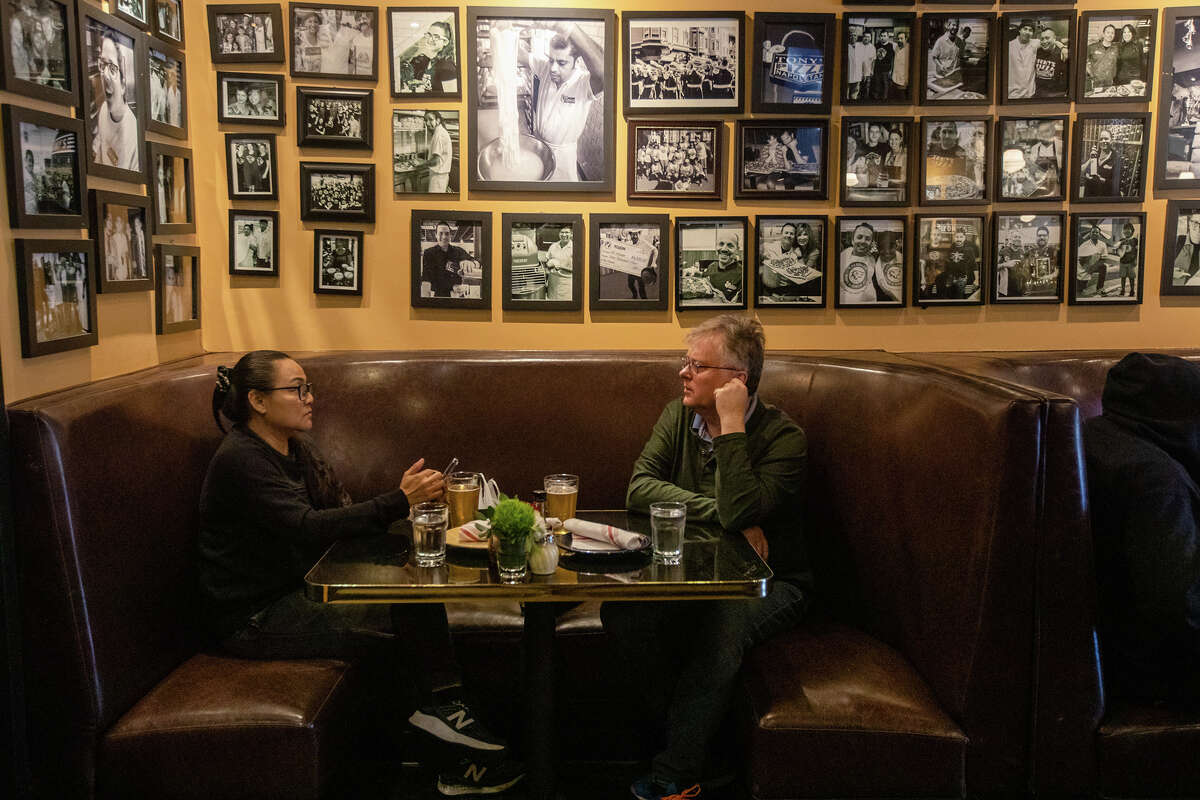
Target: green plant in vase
point(512, 532)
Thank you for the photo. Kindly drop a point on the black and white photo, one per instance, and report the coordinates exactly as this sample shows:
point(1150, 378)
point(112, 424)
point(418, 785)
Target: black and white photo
point(1109, 158)
point(630, 259)
point(39, 48)
point(1029, 257)
point(425, 151)
point(877, 59)
point(176, 288)
point(1035, 56)
point(168, 90)
point(954, 160)
point(782, 158)
point(250, 166)
point(334, 41)
point(112, 52)
point(1181, 249)
point(1032, 156)
point(1118, 52)
point(174, 206)
point(168, 20)
point(424, 52)
point(871, 267)
point(56, 296)
point(1107, 258)
point(683, 63)
point(253, 243)
point(543, 262)
point(45, 169)
point(793, 70)
point(135, 12)
point(337, 191)
point(710, 262)
point(959, 58)
point(1177, 151)
point(333, 117)
point(451, 259)
point(675, 159)
point(338, 264)
point(250, 98)
point(948, 264)
point(876, 161)
point(121, 228)
point(790, 261)
point(246, 33)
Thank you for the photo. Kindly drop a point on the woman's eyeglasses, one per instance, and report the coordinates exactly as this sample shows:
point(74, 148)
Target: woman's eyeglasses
point(302, 390)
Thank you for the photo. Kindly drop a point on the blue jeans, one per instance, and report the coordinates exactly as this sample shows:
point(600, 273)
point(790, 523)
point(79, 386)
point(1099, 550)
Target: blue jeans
point(691, 653)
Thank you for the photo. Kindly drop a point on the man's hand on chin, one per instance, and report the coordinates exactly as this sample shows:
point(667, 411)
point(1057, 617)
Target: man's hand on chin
point(732, 400)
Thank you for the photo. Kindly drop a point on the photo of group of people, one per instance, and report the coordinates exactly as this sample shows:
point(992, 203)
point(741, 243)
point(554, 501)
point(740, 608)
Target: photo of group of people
point(1118, 55)
point(878, 59)
point(251, 167)
point(252, 33)
point(675, 159)
point(179, 298)
point(424, 53)
point(37, 42)
point(955, 160)
point(782, 157)
point(950, 267)
point(683, 63)
point(172, 189)
point(49, 164)
point(166, 84)
point(790, 257)
point(710, 262)
point(169, 20)
point(60, 290)
point(875, 161)
point(338, 262)
point(246, 97)
point(1108, 258)
point(254, 237)
point(541, 264)
point(336, 192)
point(958, 59)
point(425, 151)
point(124, 244)
point(1029, 258)
point(1032, 155)
point(333, 41)
point(870, 262)
point(334, 117)
point(1037, 63)
point(450, 259)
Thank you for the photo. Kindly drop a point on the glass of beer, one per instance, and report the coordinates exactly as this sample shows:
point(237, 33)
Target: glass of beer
point(562, 496)
point(462, 495)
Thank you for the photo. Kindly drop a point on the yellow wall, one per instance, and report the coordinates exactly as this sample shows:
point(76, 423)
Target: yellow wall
point(244, 313)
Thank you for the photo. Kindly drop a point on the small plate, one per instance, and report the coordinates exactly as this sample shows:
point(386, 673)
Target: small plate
point(593, 547)
point(454, 538)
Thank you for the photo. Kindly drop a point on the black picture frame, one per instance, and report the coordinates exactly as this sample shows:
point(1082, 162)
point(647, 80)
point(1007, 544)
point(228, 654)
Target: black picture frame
point(523, 277)
point(877, 95)
point(691, 285)
point(242, 185)
point(486, 157)
point(1040, 89)
point(1085, 91)
point(480, 256)
point(1081, 224)
point(413, 152)
point(267, 17)
point(239, 258)
point(163, 274)
point(684, 100)
point(302, 67)
point(22, 190)
point(1179, 254)
point(793, 68)
point(644, 168)
point(19, 78)
point(786, 279)
point(126, 163)
point(168, 21)
point(611, 259)
point(1173, 151)
point(1031, 277)
point(156, 153)
point(332, 284)
point(932, 288)
point(311, 209)
point(165, 127)
point(856, 283)
point(1032, 170)
point(35, 314)
point(865, 195)
point(980, 73)
point(954, 189)
point(1130, 186)
point(127, 10)
point(307, 135)
point(228, 85)
point(108, 274)
point(772, 163)
point(429, 16)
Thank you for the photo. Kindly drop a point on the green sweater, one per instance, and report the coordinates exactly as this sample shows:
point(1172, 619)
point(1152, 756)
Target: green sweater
point(751, 478)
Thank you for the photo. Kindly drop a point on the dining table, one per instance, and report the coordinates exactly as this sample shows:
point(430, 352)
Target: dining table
point(715, 565)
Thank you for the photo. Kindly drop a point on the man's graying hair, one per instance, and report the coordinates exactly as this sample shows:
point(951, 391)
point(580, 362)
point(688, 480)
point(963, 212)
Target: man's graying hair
point(743, 339)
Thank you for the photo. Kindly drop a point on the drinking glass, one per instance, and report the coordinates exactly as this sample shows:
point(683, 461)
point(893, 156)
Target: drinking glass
point(462, 494)
point(429, 533)
point(562, 497)
point(667, 521)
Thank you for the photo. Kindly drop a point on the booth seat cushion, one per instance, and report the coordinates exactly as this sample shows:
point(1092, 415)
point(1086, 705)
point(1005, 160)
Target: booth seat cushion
point(1149, 751)
point(232, 728)
point(836, 712)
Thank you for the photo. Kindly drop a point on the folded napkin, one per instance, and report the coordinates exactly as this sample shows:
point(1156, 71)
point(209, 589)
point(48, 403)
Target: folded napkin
point(596, 534)
point(471, 531)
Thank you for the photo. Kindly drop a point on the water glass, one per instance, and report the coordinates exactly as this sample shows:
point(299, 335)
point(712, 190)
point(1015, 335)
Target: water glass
point(429, 533)
point(667, 521)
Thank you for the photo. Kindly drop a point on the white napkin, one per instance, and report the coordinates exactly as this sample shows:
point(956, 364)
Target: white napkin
point(471, 531)
point(603, 538)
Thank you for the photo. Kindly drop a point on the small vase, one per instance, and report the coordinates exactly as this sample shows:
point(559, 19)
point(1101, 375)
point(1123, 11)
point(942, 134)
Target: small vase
point(511, 557)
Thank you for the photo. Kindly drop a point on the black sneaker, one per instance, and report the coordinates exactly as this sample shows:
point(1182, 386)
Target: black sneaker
point(472, 777)
point(454, 723)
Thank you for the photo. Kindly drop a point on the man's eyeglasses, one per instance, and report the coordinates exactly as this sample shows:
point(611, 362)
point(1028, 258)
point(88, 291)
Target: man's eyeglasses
point(696, 367)
point(302, 390)
point(111, 67)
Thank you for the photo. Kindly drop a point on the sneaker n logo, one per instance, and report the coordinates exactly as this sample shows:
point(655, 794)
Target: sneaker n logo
point(460, 719)
point(475, 773)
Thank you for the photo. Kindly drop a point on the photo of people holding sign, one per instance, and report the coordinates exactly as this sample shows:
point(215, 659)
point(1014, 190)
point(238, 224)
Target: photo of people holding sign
point(628, 256)
point(793, 73)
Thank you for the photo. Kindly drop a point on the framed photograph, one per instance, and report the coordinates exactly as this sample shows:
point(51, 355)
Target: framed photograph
point(1035, 56)
point(1108, 258)
point(1028, 253)
point(334, 41)
point(338, 262)
point(1118, 52)
point(243, 34)
point(559, 137)
point(790, 261)
point(168, 20)
point(794, 74)
point(424, 53)
point(959, 58)
point(686, 62)
point(948, 260)
point(871, 272)
point(343, 192)
point(954, 168)
point(1109, 158)
point(451, 259)
point(1181, 249)
point(675, 159)
point(1177, 154)
point(168, 90)
point(174, 207)
point(629, 262)
point(121, 230)
point(1032, 155)
point(135, 12)
point(250, 166)
point(333, 117)
point(425, 151)
point(782, 158)
point(176, 288)
point(112, 52)
point(877, 161)
point(710, 262)
point(543, 262)
point(877, 58)
point(253, 243)
point(56, 295)
point(40, 46)
point(45, 169)
point(251, 98)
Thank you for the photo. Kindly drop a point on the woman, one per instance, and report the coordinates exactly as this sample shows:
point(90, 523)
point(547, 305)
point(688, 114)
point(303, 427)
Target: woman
point(269, 507)
point(1129, 57)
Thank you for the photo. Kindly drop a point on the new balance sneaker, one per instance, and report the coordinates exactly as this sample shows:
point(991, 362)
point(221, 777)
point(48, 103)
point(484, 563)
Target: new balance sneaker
point(650, 788)
point(471, 777)
point(454, 723)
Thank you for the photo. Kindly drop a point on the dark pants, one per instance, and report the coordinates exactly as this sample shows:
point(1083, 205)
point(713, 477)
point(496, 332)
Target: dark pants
point(689, 654)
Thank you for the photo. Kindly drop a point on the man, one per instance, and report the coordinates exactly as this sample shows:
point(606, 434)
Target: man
point(1093, 260)
point(116, 140)
point(441, 153)
point(138, 239)
point(722, 80)
point(30, 184)
point(881, 73)
point(725, 273)
point(962, 269)
point(859, 265)
point(427, 65)
point(1187, 258)
point(264, 244)
point(1050, 67)
point(1102, 59)
point(863, 53)
point(1022, 56)
point(362, 47)
point(1042, 261)
point(739, 462)
point(560, 265)
point(440, 264)
point(1098, 171)
point(854, 65)
point(945, 61)
point(899, 87)
point(945, 156)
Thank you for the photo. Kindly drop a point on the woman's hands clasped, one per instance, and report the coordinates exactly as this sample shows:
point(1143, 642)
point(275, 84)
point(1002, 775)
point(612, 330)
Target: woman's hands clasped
point(420, 485)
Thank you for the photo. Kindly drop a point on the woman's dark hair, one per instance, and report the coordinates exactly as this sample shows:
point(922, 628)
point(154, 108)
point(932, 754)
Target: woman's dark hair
point(255, 370)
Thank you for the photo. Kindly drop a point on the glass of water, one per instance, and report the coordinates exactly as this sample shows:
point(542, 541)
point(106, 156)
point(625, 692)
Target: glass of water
point(429, 533)
point(667, 521)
